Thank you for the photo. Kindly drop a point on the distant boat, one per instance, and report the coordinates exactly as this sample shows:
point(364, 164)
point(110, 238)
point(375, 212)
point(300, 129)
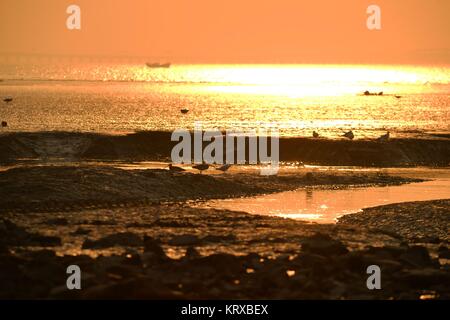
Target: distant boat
point(8, 99)
point(184, 111)
point(158, 65)
point(368, 93)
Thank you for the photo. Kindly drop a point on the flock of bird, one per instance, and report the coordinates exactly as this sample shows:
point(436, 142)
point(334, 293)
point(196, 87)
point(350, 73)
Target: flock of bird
point(200, 167)
point(350, 135)
point(224, 168)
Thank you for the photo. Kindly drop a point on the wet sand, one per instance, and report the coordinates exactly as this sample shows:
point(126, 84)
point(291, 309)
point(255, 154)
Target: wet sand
point(137, 234)
point(179, 252)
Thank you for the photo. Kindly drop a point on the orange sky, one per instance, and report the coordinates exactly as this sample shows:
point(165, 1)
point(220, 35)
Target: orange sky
point(237, 31)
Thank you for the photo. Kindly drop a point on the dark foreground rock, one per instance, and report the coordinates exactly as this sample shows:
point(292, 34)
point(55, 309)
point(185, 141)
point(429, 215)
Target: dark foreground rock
point(407, 273)
point(192, 253)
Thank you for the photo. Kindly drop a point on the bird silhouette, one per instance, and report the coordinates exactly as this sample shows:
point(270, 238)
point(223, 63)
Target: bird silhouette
point(8, 99)
point(175, 168)
point(224, 168)
point(315, 134)
point(349, 135)
point(201, 167)
point(384, 137)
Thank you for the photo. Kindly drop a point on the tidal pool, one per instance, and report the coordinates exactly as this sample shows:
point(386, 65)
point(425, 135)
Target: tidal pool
point(325, 205)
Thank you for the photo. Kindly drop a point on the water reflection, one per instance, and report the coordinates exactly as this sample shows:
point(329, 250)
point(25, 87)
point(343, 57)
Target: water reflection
point(325, 206)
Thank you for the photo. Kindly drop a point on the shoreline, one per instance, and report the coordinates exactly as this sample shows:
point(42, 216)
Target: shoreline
point(432, 150)
point(135, 234)
point(51, 188)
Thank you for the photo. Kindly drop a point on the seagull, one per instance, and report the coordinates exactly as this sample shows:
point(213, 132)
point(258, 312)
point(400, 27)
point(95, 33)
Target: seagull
point(8, 99)
point(4, 124)
point(184, 111)
point(225, 167)
point(384, 137)
point(349, 135)
point(175, 168)
point(201, 167)
point(315, 134)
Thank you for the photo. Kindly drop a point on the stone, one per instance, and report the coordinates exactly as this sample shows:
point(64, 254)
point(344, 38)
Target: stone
point(127, 239)
point(323, 244)
point(184, 240)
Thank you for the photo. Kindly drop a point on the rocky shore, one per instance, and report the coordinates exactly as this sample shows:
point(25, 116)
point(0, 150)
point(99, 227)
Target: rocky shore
point(426, 150)
point(137, 236)
point(178, 252)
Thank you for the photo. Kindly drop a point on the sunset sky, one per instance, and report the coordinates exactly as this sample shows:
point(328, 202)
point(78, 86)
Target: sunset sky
point(234, 31)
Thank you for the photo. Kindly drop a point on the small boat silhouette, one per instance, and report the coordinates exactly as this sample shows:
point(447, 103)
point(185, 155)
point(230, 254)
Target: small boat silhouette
point(368, 93)
point(158, 65)
point(8, 99)
point(184, 111)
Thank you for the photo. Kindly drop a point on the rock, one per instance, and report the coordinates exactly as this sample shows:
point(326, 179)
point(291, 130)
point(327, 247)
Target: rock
point(45, 241)
point(126, 239)
point(214, 238)
point(192, 253)
point(417, 256)
point(58, 222)
point(184, 240)
point(444, 252)
point(220, 263)
point(323, 244)
point(387, 252)
point(424, 278)
point(153, 250)
point(81, 232)
point(310, 260)
point(15, 235)
point(428, 239)
point(133, 259)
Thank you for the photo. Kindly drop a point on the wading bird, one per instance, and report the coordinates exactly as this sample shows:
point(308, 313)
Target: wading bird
point(175, 168)
point(201, 167)
point(384, 137)
point(349, 135)
point(225, 167)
